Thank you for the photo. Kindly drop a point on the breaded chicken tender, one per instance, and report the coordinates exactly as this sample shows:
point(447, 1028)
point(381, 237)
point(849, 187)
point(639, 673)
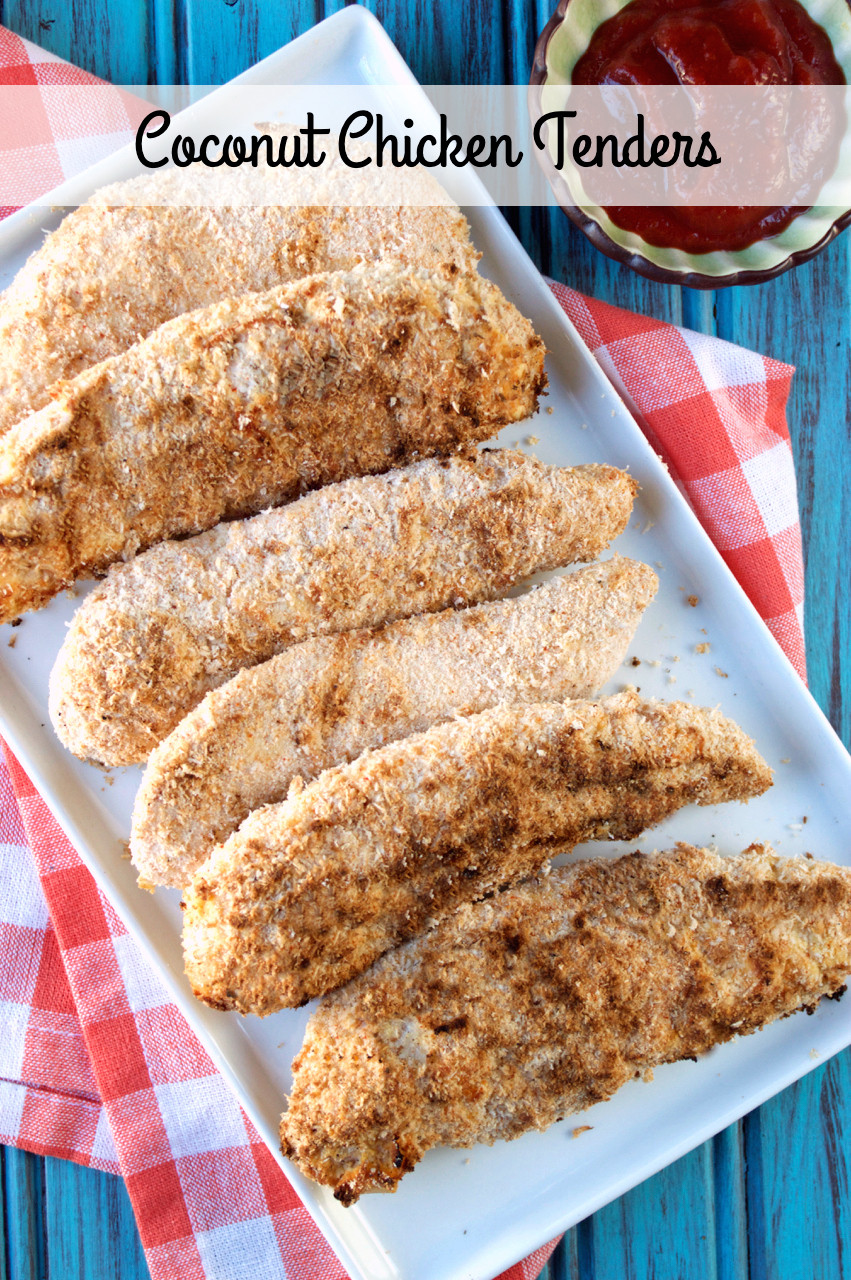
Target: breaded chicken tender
point(544, 1000)
point(184, 617)
point(245, 405)
point(309, 892)
point(324, 701)
point(131, 259)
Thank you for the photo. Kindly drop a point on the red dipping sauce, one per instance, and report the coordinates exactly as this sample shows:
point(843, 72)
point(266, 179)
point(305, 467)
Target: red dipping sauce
point(714, 42)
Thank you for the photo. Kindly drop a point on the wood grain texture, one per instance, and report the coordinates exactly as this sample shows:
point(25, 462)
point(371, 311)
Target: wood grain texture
point(626, 1236)
point(223, 37)
point(799, 1140)
point(768, 1199)
point(110, 40)
point(23, 1213)
point(107, 1247)
point(65, 1221)
point(729, 1191)
point(4, 1245)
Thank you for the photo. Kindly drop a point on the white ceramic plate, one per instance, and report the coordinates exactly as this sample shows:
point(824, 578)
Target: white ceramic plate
point(470, 1214)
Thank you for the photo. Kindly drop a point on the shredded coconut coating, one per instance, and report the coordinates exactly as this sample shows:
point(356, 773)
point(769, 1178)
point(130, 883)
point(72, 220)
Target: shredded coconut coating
point(309, 892)
point(248, 403)
point(111, 274)
point(529, 1007)
point(178, 621)
point(323, 702)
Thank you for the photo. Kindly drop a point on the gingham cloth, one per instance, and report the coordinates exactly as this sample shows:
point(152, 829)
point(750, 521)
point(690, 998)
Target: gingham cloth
point(96, 1064)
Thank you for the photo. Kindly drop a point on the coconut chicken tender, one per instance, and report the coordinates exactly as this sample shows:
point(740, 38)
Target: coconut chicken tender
point(324, 701)
point(546, 999)
point(141, 252)
point(244, 405)
point(308, 893)
point(161, 632)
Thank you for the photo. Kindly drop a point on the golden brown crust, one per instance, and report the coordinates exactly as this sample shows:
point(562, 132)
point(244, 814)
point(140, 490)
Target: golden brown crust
point(324, 701)
point(111, 274)
point(546, 999)
point(309, 892)
point(184, 617)
point(223, 412)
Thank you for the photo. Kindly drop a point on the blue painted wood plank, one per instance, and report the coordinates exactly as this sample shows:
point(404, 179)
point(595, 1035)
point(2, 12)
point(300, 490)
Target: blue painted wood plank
point(91, 1231)
point(444, 42)
point(664, 1229)
point(110, 40)
point(713, 1179)
point(23, 1210)
point(698, 310)
point(168, 42)
point(4, 1266)
point(730, 1198)
point(4, 1245)
point(574, 260)
point(798, 1179)
point(221, 38)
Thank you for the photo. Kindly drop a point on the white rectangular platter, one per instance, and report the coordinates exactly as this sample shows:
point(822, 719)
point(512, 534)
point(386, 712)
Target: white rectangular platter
point(468, 1215)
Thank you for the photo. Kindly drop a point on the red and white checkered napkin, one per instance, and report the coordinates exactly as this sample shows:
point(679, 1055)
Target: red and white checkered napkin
point(717, 414)
point(96, 1064)
point(47, 133)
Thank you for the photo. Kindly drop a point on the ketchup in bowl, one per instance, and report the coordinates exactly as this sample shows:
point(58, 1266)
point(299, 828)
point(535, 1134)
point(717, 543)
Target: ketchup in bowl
point(715, 42)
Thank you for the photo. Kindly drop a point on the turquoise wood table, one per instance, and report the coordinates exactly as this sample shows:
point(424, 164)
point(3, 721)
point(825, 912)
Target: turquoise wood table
point(769, 1198)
